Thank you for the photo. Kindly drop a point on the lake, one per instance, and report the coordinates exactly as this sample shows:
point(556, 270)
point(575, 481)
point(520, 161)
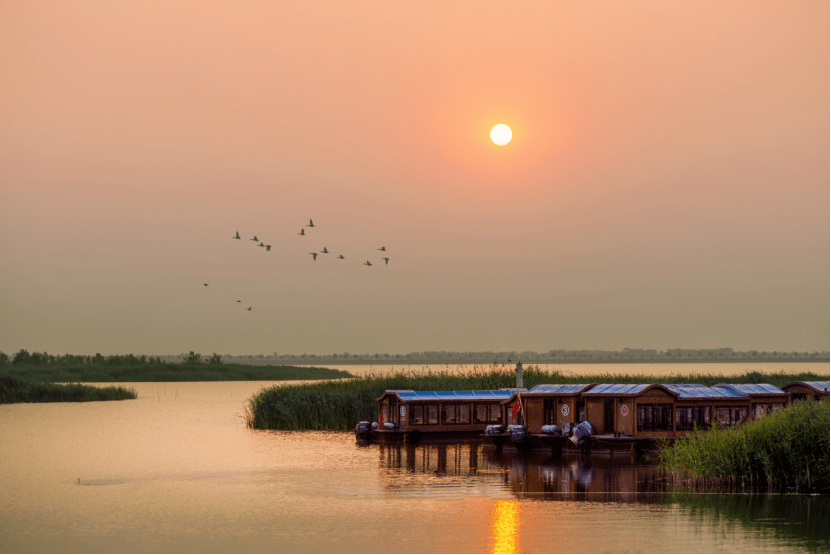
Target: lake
point(176, 470)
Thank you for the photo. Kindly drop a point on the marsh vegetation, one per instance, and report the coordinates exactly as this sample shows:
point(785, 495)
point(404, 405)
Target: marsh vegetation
point(15, 389)
point(785, 449)
point(339, 405)
point(43, 367)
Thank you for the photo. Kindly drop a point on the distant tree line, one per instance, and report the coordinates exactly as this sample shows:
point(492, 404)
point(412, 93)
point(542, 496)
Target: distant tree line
point(724, 354)
point(554, 356)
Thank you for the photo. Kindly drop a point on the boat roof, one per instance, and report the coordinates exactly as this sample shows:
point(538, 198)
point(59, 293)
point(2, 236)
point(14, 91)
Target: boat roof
point(818, 386)
point(559, 388)
point(484, 395)
point(682, 391)
point(752, 388)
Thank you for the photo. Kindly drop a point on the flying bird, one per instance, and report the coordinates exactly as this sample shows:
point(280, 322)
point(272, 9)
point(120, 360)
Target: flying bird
point(254, 239)
point(311, 223)
point(341, 256)
point(237, 237)
point(302, 232)
point(383, 249)
point(206, 285)
point(367, 263)
point(261, 245)
point(268, 247)
point(249, 308)
point(386, 260)
point(324, 251)
point(314, 256)
point(239, 301)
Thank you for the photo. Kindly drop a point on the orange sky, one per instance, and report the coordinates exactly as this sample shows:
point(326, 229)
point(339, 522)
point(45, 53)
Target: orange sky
point(667, 184)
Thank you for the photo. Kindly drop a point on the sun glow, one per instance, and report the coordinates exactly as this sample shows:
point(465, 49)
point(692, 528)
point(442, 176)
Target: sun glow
point(501, 134)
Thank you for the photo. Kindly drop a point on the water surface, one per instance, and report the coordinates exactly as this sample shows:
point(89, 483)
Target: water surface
point(176, 470)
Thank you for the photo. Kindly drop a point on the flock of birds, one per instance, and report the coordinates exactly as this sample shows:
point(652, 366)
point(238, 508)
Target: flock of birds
point(314, 254)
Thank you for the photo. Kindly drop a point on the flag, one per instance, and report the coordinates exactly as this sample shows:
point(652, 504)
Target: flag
point(517, 407)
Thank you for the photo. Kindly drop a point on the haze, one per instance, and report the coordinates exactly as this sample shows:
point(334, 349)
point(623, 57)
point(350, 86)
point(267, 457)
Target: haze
point(667, 184)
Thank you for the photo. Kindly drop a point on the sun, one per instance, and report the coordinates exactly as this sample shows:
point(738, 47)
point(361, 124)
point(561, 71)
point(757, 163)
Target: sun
point(501, 134)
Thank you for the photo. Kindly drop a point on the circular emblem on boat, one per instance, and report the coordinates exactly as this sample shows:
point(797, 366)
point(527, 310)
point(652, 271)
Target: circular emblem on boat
point(403, 410)
point(624, 410)
point(565, 410)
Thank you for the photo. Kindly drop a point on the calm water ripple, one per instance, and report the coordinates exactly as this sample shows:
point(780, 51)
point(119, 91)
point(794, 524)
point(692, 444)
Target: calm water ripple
point(176, 470)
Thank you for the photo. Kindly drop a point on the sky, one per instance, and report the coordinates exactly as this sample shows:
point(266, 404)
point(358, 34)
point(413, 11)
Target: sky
point(666, 186)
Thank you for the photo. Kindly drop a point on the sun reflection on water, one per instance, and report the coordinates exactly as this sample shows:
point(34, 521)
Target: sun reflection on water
point(505, 524)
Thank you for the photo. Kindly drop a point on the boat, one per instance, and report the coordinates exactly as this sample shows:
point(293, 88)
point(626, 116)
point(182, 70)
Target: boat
point(415, 416)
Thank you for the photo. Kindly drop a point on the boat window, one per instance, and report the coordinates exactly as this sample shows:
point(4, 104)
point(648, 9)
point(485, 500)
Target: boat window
point(480, 415)
point(727, 416)
point(463, 414)
point(688, 418)
point(655, 417)
point(762, 409)
point(495, 413)
point(432, 416)
point(416, 414)
point(448, 414)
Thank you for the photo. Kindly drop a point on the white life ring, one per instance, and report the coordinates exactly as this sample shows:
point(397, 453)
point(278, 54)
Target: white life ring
point(565, 410)
point(624, 410)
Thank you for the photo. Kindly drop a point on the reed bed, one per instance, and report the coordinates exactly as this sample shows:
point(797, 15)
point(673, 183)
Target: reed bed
point(14, 389)
point(340, 405)
point(167, 372)
point(786, 449)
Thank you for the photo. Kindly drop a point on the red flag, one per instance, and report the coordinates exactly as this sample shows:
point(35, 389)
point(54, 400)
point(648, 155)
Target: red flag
point(517, 406)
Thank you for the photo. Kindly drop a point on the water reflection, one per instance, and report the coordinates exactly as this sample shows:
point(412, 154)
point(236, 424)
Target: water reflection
point(505, 525)
point(509, 477)
point(585, 477)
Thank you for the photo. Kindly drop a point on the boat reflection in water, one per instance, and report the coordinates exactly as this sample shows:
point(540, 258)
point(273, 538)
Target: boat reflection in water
point(575, 483)
point(459, 468)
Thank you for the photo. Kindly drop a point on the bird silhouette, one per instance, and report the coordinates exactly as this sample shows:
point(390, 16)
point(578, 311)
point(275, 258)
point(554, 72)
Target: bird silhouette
point(314, 256)
point(206, 285)
point(311, 223)
point(249, 308)
point(386, 260)
point(341, 256)
point(254, 239)
point(239, 301)
point(324, 251)
point(237, 237)
point(367, 263)
point(268, 247)
point(383, 249)
point(302, 232)
point(261, 245)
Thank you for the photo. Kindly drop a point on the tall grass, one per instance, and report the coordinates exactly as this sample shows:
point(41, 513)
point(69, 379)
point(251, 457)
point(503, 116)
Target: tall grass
point(167, 372)
point(340, 405)
point(788, 448)
point(18, 390)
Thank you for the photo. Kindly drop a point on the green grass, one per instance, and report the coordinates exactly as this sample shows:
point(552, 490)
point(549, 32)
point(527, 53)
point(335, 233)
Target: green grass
point(14, 389)
point(340, 405)
point(788, 448)
point(167, 372)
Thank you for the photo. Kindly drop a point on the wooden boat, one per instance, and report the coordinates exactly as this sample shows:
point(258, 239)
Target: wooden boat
point(631, 417)
point(414, 416)
point(806, 390)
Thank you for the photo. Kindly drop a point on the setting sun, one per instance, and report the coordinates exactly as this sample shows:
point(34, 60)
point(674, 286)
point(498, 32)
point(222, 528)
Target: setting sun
point(501, 134)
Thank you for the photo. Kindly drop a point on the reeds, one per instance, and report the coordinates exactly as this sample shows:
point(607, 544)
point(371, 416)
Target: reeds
point(340, 405)
point(14, 389)
point(786, 449)
point(167, 372)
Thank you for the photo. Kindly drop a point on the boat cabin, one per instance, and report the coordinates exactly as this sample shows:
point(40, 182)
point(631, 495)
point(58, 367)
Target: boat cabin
point(547, 405)
point(409, 410)
point(806, 390)
point(662, 410)
point(764, 398)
